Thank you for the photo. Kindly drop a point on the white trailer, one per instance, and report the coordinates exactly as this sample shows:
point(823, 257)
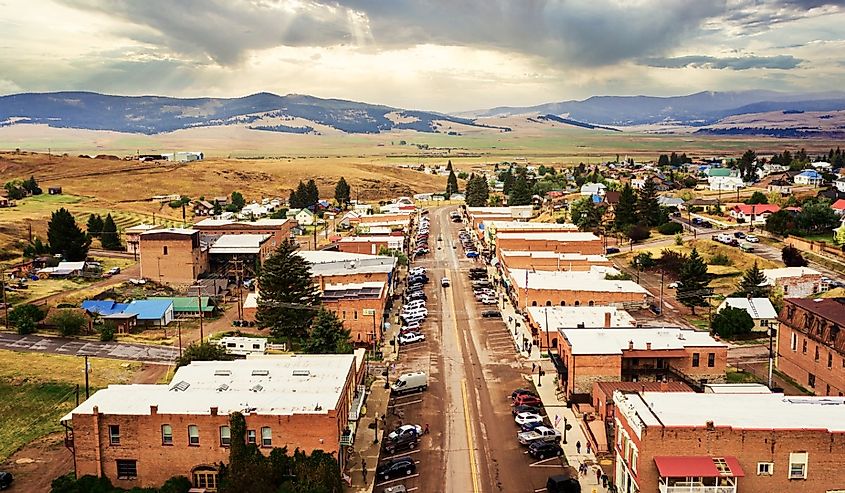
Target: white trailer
point(242, 346)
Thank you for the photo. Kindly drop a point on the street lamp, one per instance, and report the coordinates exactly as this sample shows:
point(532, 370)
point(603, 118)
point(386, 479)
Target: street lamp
point(566, 427)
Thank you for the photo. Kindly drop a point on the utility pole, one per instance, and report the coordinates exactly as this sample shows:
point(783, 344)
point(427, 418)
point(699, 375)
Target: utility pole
point(87, 370)
point(661, 293)
point(771, 356)
point(5, 304)
point(239, 279)
point(199, 308)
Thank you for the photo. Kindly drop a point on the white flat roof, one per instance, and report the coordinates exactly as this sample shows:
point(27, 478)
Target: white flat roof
point(249, 243)
point(756, 307)
point(519, 225)
point(326, 263)
point(571, 316)
point(561, 256)
point(265, 222)
point(278, 385)
point(176, 231)
point(591, 280)
point(488, 210)
point(773, 274)
point(138, 228)
point(367, 239)
point(354, 285)
point(740, 411)
point(616, 339)
point(546, 235)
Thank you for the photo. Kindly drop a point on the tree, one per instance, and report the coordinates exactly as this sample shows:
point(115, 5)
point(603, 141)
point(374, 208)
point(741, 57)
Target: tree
point(66, 238)
point(637, 232)
point(15, 190)
point(110, 239)
point(342, 193)
point(648, 208)
point(757, 198)
point(94, 225)
point(781, 222)
point(449, 165)
point(35, 249)
point(663, 161)
point(299, 197)
point(670, 228)
point(792, 257)
point(327, 335)
point(68, 322)
point(694, 282)
point(32, 187)
point(203, 351)
point(237, 200)
point(477, 191)
point(747, 166)
point(626, 209)
point(750, 285)
point(312, 194)
point(25, 317)
point(218, 209)
point(288, 297)
point(732, 322)
point(451, 184)
point(586, 214)
point(816, 216)
point(520, 193)
point(507, 179)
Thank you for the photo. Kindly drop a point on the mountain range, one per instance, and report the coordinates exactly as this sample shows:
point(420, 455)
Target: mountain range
point(295, 113)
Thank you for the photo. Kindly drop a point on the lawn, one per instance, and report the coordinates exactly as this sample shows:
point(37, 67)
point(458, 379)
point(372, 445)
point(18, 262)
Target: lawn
point(37, 389)
point(826, 237)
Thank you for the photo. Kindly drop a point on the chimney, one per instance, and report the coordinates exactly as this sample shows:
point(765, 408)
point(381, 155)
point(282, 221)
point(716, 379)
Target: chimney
point(664, 386)
point(607, 320)
point(153, 410)
point(322, 283)
point(648, 346)
point(630, 345)
point(214, 411)
point(710, 426)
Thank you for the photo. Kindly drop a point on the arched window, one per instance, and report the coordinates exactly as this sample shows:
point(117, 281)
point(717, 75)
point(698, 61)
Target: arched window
point(577, 303)
point(548, 302)
point(591, 303)
point(562, 303)
point(533, 303)
point(554, 342)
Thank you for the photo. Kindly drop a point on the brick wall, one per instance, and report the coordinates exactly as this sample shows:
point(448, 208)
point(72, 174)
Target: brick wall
point(354, 320)
point(365, 247)
point(592, 247)
point(799, 365)
point(278, 234)
point(548, 297)
point(527, 262)
point(172, 260)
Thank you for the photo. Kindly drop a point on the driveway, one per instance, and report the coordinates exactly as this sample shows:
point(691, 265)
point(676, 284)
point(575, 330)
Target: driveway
point(76, 347)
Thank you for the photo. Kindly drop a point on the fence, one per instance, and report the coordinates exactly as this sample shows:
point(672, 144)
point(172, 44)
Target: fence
point(818, 247)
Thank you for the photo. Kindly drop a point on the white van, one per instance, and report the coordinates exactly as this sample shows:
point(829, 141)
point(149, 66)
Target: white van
point(410, 382)
point(412, 312)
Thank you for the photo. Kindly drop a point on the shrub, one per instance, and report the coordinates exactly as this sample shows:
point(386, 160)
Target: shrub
point(670, 228)
point(175, 204)
point(107, 331)
point(671, 261)
point(638, 232)
point(643, 261)
point(720, 259)
point(679, 239)
point(792, 257)
point(68, 322)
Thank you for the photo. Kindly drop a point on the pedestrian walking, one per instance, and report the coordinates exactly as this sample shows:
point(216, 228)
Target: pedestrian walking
point(604, 480)
point(364, 469)
point(589, 448)
point(529, 350)
point(598, 475)
point(533, 367)
point(426, 431)
point(578, 446)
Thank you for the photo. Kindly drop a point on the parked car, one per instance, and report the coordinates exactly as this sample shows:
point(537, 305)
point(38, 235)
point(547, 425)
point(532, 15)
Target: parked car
point(402, 466)
point(675, 285)
point(533, 425)
point(527, 400)
point(523, 418)
point(5, 480)
point(611, 250)
point(541, 433)
point(471, 254)
point(752, 239)
point(542, 449)
point(491, 314)
point(518, 392)
point(405, 430)
point(116, 270)
point(739, 234)
point(411, 338)
point(444, 282)
point(402, 441)
point(524, 409)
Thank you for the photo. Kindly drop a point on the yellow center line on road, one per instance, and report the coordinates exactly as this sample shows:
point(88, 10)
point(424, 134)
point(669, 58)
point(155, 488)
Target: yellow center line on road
point(472, 466)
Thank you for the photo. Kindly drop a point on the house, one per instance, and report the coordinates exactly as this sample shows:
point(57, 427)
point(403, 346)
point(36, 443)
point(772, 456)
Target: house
point(761, 310)
point(634, 354)
point(794, 281)
point(254, 210)
point(780, 185)
point(203, 208)
point(753, 213)
point(140, 435)
point(667, 201)
point(590, 189)
point(840, 184)
point(822, 166)
point(728, 443)
point(54, 190)
point(305, 217)
point(133, 236)
point(64, 269)
point(124, 323)
point(186, 306)
point(808, 177)
point(152, 312)
point(811, 344)
point(838, 206)
point(103, 307)
point(725, 183)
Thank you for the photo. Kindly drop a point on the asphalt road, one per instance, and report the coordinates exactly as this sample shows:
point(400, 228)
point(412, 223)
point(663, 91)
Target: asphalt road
point(76, 347)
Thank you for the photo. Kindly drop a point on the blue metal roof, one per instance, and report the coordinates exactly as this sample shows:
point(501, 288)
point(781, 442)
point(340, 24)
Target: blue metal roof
point(104, 307)
point(149, 309)
point(810, 173)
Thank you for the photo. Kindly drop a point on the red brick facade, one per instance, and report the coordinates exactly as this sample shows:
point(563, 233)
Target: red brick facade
point(171, 257)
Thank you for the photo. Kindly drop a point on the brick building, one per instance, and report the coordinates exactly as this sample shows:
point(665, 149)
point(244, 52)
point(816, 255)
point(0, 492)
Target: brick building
point(278, 229)
point(341, 267)
point(487, 229)
point(539, 260)
point(811, 344)
point(726, 443)
point(634, 354)
point(546, 321)
point(370, 245)
point(174, 255)
point(560, 242)
point(142, 435)
point(794, 282)
point(572, 288)
point(361, 307)
point(132, 236)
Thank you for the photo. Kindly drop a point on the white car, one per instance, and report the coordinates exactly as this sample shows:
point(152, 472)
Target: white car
point(405, 429)
point(411, 338)
point(675, 285)
point(444, 282)
point(488, 300)
point(417, 271)
point(752, 239)
point(525, 418)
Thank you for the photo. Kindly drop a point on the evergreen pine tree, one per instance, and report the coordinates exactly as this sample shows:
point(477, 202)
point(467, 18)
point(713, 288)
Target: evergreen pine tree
point(94, 225)
point(693, 280)
point(342, 193)
point(110, 239)
point(327, 335)
point(507, 181)
point(626, 209)
point(449, 165)
point(312, 194)
point(287, 296)
point(648, 209)
point(520, 193)
point(750, 285)
point(451, 184)
point(66, 238)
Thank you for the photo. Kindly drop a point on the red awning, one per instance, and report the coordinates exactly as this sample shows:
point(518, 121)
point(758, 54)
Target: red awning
point(699, 466)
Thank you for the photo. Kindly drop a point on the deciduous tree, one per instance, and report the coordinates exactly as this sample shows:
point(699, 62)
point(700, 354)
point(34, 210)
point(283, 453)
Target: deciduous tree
point(732, 322)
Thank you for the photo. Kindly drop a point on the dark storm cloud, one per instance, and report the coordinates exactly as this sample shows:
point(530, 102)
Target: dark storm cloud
point(732, 63)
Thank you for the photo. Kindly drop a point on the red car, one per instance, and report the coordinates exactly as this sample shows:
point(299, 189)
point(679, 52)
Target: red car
point(527, 400)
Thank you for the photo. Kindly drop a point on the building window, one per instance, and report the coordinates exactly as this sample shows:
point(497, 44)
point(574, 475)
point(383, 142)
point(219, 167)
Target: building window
point(765, 468)
point(711, 360)
point(166, 435)
point(225, 436)
point(798, 465)
point(355, 314)
point(811, 380)
point(250, 437)
point(804, 346)
point(344, 315)
point(793, 343)
point(266, 437)
point(816, 357)
point(577, 303)
point(127, 468)
point(829, 360)
point(695, 357)
point(114, 434)
point(205, 478)
point(548, 302)
point(193, 435)
point(534, 303)
point(562, 303)
point(591, 303)
point(164, 250)
point(764, 322)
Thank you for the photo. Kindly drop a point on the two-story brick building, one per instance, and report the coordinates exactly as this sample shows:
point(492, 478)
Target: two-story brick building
point(279, 230)
point(572, 288)
point(727, 443)
point(539, 260)
point(546, 322)
point(560, 242)
point(633, 354)
point(173, 255)
point(811, 344)
point(361, 307)
point(141, 435)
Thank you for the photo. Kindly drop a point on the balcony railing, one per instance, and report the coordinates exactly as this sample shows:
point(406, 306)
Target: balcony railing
point(696, 488)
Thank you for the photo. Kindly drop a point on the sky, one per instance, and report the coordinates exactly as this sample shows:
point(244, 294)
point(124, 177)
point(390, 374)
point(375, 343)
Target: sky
point(443, 55)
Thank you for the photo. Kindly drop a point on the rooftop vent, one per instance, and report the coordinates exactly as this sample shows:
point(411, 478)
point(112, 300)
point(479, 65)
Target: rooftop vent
point(257, 388)
point(222, 388)
point(260, 373)
point(222, 373)
point(301, 373)
point(181, 386)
